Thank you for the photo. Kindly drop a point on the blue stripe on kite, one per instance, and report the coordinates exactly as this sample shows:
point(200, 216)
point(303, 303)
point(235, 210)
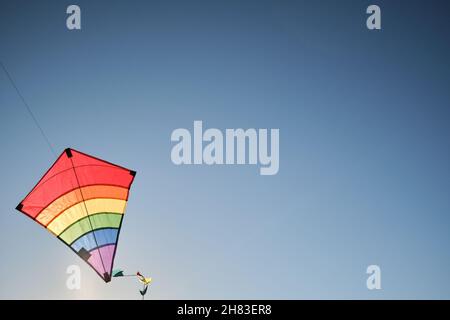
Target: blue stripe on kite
point(103, 237)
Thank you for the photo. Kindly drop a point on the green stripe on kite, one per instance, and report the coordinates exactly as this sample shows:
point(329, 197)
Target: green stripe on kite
point(83, 226)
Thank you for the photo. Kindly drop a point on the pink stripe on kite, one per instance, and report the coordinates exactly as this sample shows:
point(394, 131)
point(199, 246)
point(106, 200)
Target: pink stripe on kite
point(107, 253)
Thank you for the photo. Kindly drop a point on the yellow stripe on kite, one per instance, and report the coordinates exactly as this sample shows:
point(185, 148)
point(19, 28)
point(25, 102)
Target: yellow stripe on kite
point(78, 212)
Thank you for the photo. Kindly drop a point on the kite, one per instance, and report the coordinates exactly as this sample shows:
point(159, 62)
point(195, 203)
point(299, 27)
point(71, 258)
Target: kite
point(81, 200)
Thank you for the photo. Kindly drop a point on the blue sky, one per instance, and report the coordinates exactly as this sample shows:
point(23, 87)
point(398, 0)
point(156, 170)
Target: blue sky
point(364, 151)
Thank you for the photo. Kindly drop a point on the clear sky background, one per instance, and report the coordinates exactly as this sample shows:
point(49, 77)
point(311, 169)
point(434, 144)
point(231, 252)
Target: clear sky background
point(364, 144)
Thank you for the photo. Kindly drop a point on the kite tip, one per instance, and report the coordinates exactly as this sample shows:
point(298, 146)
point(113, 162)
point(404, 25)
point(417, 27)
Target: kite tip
point(106, 277)
point(19, 207)
point(68, 152)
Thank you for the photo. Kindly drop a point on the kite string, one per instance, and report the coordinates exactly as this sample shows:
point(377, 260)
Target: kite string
point(29, 110)
point(87, 214)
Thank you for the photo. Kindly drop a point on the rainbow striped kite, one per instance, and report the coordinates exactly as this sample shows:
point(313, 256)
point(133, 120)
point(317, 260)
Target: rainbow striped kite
point(81, 200)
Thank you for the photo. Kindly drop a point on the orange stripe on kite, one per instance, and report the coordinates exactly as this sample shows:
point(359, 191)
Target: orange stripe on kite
point(76, 196)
